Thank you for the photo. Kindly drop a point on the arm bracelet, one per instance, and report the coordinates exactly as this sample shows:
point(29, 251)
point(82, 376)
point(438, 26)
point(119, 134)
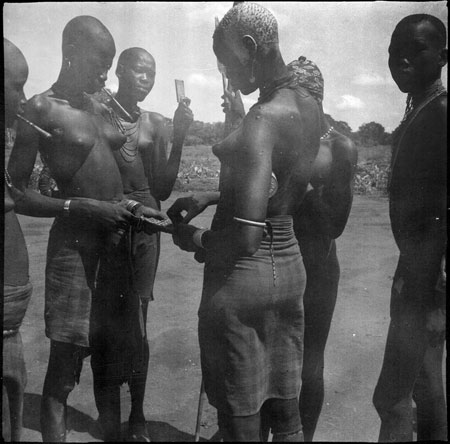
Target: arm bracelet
point(66, 208)
point(197, 237)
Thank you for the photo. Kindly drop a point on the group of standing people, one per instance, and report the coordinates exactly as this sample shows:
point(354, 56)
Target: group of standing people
point(271, 270)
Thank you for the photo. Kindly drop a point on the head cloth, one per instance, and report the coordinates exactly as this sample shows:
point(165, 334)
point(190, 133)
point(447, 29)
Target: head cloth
point(308, 76)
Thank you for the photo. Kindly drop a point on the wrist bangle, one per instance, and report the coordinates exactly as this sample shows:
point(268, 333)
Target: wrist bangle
point(197, 237)
point(66, 208)
point(132, 205)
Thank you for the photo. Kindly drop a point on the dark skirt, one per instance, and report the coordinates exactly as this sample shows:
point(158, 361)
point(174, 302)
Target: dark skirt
point(251, 324)
point(145, 250)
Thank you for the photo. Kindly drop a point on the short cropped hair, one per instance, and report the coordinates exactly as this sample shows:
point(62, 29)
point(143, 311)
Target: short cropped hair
point(128, 55)
point(250, 19)
point(441, 32)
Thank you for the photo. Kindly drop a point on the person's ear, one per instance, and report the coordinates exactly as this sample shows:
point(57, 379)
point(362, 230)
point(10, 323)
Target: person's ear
point(69, 53)
point(443, 57)
point(250, 44)
point(119, 70)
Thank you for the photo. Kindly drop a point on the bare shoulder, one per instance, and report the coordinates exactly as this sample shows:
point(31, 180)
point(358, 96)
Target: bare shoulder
point(39, 104)
point(344, 148)
point(155, 118)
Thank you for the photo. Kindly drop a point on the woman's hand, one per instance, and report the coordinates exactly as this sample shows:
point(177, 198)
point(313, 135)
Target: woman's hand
point(183, 237)
point(112, 216)
point(233, 106)
point(193, 205)
point(182, 118)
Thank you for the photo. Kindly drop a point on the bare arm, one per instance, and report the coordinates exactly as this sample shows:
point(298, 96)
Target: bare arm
point(164, 171)
point(331, 204)
point(251, 173)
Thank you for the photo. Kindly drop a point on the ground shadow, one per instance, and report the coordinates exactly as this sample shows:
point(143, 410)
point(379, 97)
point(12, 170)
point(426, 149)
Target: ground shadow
point(76, 420)
point(80, 422)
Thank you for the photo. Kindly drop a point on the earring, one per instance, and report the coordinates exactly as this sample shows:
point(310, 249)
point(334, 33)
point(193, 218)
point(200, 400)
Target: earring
point(67, 63)
point(252, 76)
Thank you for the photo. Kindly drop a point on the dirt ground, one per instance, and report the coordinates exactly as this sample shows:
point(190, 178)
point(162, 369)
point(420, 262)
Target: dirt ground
point(367, 255)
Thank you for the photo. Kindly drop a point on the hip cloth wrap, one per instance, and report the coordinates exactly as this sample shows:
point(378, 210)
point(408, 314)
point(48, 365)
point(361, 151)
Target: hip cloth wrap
point(73, 253)
point(124, 281)
point(251, 324)
point(15, 303)
point(144, 251)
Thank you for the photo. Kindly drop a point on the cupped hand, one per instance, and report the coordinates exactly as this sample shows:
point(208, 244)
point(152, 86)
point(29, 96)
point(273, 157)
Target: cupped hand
point(232, 104)
point(183, 237)
point(112, 216)
point(193, 205)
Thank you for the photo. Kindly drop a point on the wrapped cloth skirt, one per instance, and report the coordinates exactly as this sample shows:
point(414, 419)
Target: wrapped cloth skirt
point(251, 324)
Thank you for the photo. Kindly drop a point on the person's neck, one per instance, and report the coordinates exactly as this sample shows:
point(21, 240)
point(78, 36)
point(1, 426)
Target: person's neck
point(419, 96)
point(273, 71)
point(68, 88)
point(126, 100)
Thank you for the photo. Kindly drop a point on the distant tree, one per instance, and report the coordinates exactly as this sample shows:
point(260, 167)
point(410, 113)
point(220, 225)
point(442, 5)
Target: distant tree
point(341, 126)
point(371, 134)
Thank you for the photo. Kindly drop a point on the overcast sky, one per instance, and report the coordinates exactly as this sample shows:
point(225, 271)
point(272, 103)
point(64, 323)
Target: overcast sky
point(348, 41)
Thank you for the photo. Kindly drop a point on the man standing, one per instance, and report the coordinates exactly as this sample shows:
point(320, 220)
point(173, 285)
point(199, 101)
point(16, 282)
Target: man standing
point(148, 177)
point(412, 366)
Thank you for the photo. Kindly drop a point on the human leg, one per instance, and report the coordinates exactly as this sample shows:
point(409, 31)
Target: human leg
point(322, 271)
point(283, 418)
point(145, 254)
point(63, 371)
point(137, 424)
point(406, 344)
point(14, 382)
point(429, 396)
point(239, 428)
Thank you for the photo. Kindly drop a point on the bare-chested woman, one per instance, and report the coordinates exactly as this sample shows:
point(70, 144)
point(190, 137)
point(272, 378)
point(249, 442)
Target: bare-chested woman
point(148, 176)
point(79, 154)
point(251, 313)
point(16, 286)
point(320, 219)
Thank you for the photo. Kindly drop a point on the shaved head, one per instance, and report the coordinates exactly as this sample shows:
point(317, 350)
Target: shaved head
point(85, 31)
point(439, 34)
point(15, 76)
point(130, 55)
point(136, 72)
point(88, 51)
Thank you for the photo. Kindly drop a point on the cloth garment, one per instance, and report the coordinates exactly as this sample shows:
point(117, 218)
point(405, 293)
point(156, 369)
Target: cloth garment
point(15, 303)
point(144, 251)
point(74, 250)
point(251, 324)
point(117, 326)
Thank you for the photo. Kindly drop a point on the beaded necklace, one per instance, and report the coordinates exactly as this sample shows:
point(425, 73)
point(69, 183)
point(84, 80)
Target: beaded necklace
point(8, 180)
point(327, 133)
point(129, 150)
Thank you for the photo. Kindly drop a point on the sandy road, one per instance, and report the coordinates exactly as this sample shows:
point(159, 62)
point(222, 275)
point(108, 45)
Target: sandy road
point(354, 353)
